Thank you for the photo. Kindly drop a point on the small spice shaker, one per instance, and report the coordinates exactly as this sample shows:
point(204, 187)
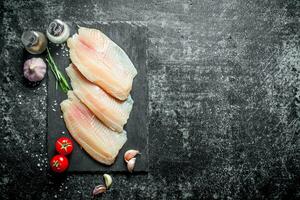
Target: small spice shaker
point(58, 31)
point(34, 42)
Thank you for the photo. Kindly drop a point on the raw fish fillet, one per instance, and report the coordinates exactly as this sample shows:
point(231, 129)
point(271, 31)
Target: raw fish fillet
point(109, 51)
point(112, 112)
point(102, 62)
point(97, 140)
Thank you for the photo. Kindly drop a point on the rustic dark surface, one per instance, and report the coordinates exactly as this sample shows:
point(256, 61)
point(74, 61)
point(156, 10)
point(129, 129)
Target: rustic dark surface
point(132, 38)
point(223, 81)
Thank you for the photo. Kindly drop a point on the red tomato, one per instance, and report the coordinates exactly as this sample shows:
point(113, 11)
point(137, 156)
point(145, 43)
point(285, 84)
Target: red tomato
point(59, 163)
point(64, 146)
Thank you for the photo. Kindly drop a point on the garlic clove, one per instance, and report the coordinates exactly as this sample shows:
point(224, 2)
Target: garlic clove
point(108, 180)
point(99, 189)
point(131, 164)
point(130, 154)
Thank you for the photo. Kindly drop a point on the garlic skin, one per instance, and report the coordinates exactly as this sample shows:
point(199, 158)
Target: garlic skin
point(99, 189)
point(130, 154)
point(131, 164)
point(108, 180)
point(34, 69)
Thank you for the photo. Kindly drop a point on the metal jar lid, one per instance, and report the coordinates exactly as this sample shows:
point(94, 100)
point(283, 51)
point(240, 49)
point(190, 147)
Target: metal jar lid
point(29, 38)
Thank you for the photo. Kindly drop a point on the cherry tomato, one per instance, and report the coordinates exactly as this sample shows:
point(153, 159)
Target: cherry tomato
point(64, 146)
point(59, 163)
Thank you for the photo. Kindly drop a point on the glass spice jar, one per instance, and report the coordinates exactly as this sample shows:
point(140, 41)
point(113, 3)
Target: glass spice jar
point(34, 42)
point(58, 31)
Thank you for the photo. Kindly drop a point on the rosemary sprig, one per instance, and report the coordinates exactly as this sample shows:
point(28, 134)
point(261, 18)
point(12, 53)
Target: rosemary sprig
point(60, 79)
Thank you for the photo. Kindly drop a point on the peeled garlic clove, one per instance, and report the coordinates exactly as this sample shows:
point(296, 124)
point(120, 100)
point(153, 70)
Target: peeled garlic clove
point(107, 180)
point(130, 154)
point(131, 164)
point(99, 189)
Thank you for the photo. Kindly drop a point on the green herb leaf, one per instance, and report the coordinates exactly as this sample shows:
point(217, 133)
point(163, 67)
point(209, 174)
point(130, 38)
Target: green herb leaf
point(61, 80)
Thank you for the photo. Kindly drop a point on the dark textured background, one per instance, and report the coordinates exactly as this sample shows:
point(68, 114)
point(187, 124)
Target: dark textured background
point(223, 79)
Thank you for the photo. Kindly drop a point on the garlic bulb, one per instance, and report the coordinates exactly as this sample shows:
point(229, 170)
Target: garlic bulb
point(35, 69)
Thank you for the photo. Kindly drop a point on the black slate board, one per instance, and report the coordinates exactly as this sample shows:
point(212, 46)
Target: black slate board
point(132, 38)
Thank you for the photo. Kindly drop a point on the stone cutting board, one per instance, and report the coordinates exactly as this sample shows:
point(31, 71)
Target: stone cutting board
point(133, 39)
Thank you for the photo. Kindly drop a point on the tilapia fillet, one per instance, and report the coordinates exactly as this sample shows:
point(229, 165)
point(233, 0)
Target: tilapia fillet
point(113, 113)
point(106, 49)
point(97, 140)
point(102, 62)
